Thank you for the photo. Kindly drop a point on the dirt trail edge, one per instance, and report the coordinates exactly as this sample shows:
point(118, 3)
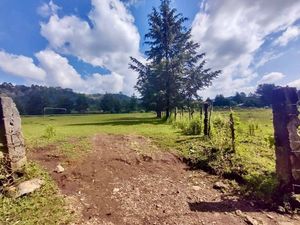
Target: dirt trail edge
point(128, 180)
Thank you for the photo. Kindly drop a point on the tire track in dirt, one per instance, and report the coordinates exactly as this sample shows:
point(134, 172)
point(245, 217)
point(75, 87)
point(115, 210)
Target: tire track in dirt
point(126, 179)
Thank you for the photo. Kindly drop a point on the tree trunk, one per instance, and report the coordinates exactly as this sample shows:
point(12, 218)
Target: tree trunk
point(167, 113)
point(158, 114)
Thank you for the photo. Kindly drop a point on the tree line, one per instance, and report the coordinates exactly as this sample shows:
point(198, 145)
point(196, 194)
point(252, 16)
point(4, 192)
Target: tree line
point(33, 100)
point(262, 97)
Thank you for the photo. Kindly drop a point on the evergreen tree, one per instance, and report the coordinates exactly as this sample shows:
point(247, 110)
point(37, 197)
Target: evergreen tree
point(175, 70)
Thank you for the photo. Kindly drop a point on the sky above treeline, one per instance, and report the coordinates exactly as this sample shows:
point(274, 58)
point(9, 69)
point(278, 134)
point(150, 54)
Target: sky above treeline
point(86, 45)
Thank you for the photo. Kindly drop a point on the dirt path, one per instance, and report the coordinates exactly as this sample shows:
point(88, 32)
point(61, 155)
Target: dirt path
point(127, 180)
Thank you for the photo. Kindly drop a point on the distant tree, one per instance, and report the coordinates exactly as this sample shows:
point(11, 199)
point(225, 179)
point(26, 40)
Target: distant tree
point(65, 102)
point(36, 103)
point(33, 99)
point(133, 103)
point(253, 100)
point(265, 93)
point(110, 103)
point(220, 100)
point(239, 98)
point(81, 103)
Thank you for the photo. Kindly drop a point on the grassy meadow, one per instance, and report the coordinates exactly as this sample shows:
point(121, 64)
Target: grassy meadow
point(253, 162)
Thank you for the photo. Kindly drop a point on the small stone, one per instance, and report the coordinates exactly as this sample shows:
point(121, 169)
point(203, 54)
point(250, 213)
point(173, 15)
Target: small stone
point(296, 200)
point(281, 209)
point(116, 190)
point(28, 187)
point(196, 188)
point(220, 185)
point(59, 169)
point(239, 213)
point(251, 221)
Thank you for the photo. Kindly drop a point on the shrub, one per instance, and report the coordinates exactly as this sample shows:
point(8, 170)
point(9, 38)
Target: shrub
point(188, 127)
point(50, 132)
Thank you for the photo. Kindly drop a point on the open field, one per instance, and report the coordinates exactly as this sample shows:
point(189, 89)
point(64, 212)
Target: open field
point(68, 138)
point(254, 134)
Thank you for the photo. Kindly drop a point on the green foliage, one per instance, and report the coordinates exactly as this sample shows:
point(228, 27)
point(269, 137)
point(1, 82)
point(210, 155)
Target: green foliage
point(45, 206)
point(265, 93)
point(81, 103)
point(188, 127)
point(110, 103)
point(174, 71)
point(32, 100)
point(252, 127)
point(50, 132)
point(254, 157)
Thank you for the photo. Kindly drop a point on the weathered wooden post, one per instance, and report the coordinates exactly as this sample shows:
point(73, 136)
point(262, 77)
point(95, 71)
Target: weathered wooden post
point(232, 130)
point(206, 119)
point(201, 115)
point(287, 140)
point(11, 137)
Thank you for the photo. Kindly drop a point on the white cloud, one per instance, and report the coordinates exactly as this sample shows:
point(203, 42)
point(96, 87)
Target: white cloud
point(21, 66)
point(295, 83)
point(131, 2)
point(271, 77)
point(61, 73)
point(232, 31)
point(46, 10)
point(112, 83)
point(291, 33)
point(108, 41)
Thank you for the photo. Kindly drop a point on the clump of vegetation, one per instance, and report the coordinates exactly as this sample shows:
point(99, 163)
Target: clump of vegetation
point(188, 127)
point(252, 162)
point(50, 132)
point(5, 174)
point(44, 206)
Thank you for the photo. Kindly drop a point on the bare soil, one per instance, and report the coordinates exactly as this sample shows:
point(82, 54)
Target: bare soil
point(128, 180)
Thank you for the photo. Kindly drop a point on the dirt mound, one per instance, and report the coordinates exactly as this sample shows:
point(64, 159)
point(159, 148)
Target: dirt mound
point(128, 180)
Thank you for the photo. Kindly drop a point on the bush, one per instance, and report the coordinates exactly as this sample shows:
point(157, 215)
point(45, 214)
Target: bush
point(50, 132)
point(189, 127)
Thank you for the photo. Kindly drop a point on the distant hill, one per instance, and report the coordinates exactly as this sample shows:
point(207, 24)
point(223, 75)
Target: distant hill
point(33, 100)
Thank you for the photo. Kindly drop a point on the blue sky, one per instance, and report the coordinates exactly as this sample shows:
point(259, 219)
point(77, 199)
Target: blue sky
point(86, 45)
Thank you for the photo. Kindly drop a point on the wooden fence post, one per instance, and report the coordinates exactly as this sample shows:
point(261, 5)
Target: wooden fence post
point(206, 118)
point(287, 140)
point(231, 125)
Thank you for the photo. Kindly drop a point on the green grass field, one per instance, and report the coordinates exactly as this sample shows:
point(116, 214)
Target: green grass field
point(253, 160)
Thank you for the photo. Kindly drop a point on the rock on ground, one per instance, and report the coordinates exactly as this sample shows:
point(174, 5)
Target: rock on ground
point(28, 186)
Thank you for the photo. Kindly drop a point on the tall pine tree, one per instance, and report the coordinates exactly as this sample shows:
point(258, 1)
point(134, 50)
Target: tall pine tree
point(174, 71)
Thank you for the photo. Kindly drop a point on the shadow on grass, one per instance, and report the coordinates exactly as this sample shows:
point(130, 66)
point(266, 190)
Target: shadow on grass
point(128, 121)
